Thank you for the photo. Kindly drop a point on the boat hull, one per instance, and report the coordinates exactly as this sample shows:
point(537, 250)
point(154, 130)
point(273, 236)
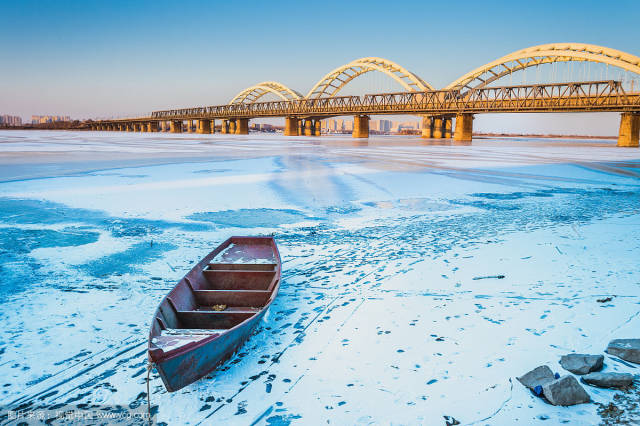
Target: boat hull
point(186, 368)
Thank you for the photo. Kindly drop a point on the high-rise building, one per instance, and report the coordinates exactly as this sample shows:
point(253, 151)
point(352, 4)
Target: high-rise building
point(10, 120)
point(42, 119)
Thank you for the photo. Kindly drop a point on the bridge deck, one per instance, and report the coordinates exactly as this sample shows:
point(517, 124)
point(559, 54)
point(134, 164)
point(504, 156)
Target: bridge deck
point(589, 96)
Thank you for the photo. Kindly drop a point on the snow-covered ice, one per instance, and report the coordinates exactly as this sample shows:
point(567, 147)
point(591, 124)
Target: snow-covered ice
point(419, 277)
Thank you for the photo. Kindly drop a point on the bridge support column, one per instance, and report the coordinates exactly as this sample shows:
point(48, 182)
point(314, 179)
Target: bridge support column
point(242, 126)
point(232, 127)
point(291, 126)
point(427, 127)
point(317, 129)
point(437, 128)
point(212, 126)
point(152, 126)
point(175, 126)
point(224, 126)
point(142, 127)
point(360, 126)
point(204, 126)
point(447, 127)
point(629, 130)
point(308, 127)
point(464, 128)
point(130, 127)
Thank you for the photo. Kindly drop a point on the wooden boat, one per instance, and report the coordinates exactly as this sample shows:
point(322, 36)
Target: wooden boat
point(209, 314)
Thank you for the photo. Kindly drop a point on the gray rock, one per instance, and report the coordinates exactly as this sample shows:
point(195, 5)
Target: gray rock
point(538, 376)
point(609, 380)
point(582, 363)
point(565, 391)
point(627, 349)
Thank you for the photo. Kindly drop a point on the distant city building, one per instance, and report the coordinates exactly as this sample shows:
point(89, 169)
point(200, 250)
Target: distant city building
point(397, 127)
point(10, 120)
point(43, 119)
point(381, 126)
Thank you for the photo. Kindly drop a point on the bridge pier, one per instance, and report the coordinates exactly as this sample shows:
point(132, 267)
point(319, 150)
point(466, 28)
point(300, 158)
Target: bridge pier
point(464, 128)
point(317, 127)
point(437, 128)
point(360, 126)
point(291, 126)
point(308, 127)
point(152, 126)
point(629, 133)
point(204, 126)
point(224, 126)
point(427, 127)
point(232, 126)
point(242, 126)
point(447, 127)
point(142, 127)
point(212, 126)
point(175, 126)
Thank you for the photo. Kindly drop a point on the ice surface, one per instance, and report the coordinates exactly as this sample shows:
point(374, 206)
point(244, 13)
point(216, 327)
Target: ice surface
point(379, 318)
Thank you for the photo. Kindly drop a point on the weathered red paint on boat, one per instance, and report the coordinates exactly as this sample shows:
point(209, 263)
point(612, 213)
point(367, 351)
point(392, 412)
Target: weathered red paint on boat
point(180, 366)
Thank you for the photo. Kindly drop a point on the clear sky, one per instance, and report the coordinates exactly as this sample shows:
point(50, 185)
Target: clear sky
point(103, 58)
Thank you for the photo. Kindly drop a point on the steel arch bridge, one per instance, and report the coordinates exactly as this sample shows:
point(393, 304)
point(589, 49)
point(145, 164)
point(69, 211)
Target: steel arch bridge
point(544, 54)
point(333, 82)
point(253, 93)
point(471, 93)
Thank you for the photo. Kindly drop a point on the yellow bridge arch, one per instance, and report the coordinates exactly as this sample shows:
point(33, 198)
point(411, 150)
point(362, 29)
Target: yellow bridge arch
point(544, 54)
point(333, 82)
point(255, 92)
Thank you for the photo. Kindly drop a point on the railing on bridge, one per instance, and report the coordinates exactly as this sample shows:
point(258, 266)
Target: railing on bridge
point(607, 95)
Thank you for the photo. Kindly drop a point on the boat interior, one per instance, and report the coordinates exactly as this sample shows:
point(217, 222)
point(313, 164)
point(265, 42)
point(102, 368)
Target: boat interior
point(231, 286)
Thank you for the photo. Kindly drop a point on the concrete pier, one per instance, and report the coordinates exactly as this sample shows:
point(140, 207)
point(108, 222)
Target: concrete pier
point(204, 126)
point(629, 134)
point(308, 127)
point(360, 126)
point(152, 126)
point(447, 127)
point(317, 129)
point(224, 127)
point(175, 126)
point(242, 126)
point(437, 128)
point(212, 126)
point(232, 127)
point(291, 126)
point(464, 128)
point(427, 127)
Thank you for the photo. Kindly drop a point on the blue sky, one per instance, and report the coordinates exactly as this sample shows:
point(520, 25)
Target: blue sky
point(93, 58)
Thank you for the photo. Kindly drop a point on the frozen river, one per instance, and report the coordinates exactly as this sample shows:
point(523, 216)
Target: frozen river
point(419, 277)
